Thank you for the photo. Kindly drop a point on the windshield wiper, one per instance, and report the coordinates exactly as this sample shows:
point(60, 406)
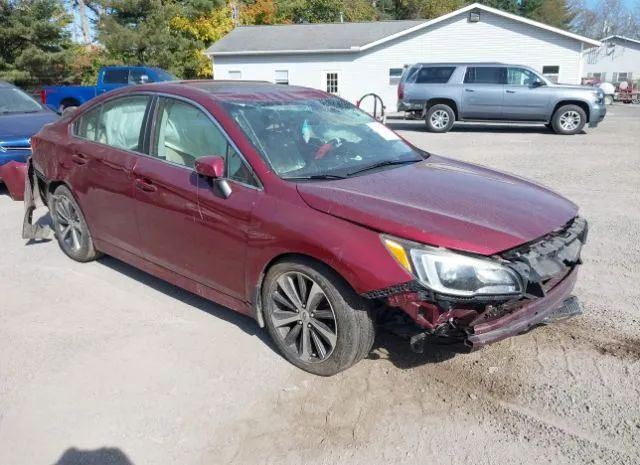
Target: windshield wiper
point(313, 177)
point(381, 164)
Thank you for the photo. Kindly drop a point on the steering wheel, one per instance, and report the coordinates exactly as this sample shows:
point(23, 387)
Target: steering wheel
point(324, 149)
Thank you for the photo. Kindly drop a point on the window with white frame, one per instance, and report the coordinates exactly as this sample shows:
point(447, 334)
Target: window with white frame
point(394, 75)
point(551, 72)
point(282, 77)
point(331, 81)
point(624, 76)
point(235, 74)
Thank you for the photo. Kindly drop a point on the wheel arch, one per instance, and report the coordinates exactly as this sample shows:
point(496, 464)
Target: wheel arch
point(442, 101)
point(282, 257)
point(580, 103)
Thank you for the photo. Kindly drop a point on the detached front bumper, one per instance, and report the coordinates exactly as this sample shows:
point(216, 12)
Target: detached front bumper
point(557, 304)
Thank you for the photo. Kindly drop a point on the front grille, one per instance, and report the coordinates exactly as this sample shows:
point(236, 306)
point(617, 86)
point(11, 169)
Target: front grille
point(545, 262)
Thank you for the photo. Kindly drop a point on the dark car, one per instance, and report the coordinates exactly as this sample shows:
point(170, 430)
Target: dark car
point(294, 207)
point(20, 118)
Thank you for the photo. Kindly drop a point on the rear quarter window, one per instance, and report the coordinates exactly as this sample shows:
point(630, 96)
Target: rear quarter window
point(433, 75)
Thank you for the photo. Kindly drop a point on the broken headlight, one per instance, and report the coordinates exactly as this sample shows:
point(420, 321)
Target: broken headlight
point(452, 273)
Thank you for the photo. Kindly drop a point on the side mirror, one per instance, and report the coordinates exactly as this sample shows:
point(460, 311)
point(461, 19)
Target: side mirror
point(537, 83)
point(210, 166)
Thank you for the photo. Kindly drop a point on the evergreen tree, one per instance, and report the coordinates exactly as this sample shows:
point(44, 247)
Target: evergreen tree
point(36, 47)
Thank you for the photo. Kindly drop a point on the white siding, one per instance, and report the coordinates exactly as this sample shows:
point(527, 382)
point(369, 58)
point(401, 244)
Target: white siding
point(494, 38)
point(623, 58)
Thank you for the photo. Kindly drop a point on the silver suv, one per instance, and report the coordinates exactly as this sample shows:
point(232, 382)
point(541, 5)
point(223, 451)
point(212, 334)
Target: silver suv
point(443, 93)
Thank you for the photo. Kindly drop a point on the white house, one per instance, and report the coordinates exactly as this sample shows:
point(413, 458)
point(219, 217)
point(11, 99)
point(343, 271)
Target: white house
point(617, 59)
point(352, 59)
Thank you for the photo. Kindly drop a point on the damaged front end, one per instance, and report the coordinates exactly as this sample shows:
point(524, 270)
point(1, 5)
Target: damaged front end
point(542, 274)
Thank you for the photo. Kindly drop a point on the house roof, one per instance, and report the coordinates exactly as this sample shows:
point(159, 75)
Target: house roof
point(345, 37)
point(626, 39)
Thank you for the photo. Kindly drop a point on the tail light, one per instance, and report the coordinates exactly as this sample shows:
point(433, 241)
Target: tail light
point(43, 96)
point(401, 91)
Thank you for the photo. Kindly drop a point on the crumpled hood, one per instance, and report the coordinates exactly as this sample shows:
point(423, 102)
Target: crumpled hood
point(23, 125)
point(445, 203)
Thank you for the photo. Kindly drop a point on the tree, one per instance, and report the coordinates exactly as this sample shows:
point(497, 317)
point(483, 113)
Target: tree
point(605, 18)
point(170, 34)
point(556, 13)
point(36, 47)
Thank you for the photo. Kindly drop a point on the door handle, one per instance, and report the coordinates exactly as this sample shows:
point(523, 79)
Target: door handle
point(145, 185)
point(79, 159)
point(469, 90)
point(511, 91)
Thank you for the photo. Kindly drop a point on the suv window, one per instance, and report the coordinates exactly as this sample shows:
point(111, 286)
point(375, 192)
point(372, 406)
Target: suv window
point(121, 122)
point(520, 77)
point(139, 76)
point(116, 76)
point(485, 75)
point(87, 125)
point(184, 133)
point(434, 75)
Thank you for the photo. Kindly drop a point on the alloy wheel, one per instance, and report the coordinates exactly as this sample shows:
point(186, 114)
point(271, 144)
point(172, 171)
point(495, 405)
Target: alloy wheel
point(439, 119)
point(570, 120)
point(67, 223)
point(303, 317)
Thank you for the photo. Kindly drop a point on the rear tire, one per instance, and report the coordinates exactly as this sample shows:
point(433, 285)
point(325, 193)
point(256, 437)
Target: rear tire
point(569, 120)
point(70, 226)
point(440, 118)
point(314, 317)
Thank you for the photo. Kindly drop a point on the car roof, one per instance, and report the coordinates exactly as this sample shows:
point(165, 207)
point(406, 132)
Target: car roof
point(6, 84)
point(238, 89)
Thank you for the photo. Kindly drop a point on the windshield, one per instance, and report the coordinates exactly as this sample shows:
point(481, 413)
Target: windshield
point(319, 137)
point(13, 100)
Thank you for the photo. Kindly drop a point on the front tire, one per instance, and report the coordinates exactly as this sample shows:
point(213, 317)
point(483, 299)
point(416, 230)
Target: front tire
point(314, 317)
point(569, 120)
point(70, 226)
point(440, 118)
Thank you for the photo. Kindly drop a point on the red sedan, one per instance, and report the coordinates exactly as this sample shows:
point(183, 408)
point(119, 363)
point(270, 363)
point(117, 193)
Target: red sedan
point(294, 207)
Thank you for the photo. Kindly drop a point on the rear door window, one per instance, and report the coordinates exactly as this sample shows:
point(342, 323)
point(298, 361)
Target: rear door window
point(116, 76)
point(121, 122)
point(485, 75)
point(434, 75)
point(87, 125)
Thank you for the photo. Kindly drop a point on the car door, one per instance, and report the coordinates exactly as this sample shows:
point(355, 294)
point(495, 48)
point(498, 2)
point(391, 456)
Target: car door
point(101, 159)
point(186, 225)
point(524, 97)
point(483, 92)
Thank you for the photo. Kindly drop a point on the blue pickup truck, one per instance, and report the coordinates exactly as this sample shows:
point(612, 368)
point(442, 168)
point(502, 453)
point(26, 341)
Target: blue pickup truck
point(110, 77)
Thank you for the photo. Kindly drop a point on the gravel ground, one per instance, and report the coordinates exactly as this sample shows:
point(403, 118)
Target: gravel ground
point(103, 364)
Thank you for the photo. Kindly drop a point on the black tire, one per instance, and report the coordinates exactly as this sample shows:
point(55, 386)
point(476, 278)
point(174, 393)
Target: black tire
point(352, 322)
point(440, 118)
point(568, 120)
point(70, 226)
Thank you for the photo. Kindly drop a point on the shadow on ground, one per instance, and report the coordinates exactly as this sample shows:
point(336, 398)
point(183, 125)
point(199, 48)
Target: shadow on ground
point(418, 126)
point(397, 350)
point(245, 323)
point(102, 456)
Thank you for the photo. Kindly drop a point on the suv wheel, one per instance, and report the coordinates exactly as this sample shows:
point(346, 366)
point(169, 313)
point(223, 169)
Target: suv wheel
point(70, 226)
point(317, 321)
point(568, 120)
point(440, 118)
